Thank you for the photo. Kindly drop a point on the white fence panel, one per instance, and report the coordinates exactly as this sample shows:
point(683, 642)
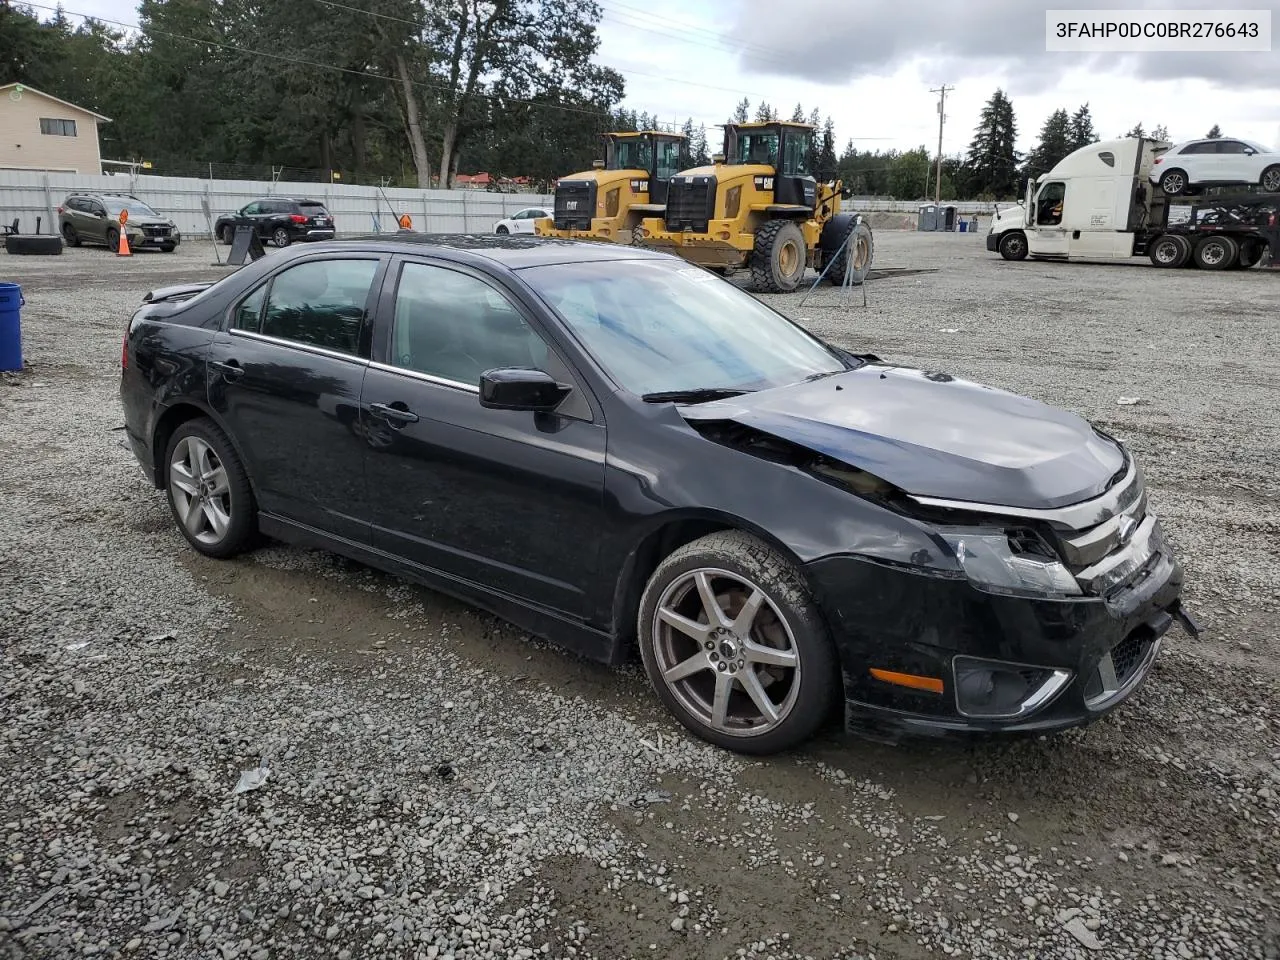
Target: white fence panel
point(28, 194)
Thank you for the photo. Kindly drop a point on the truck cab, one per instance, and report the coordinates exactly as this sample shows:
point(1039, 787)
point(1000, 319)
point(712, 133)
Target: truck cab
point(1095, 203)
point(630, 183)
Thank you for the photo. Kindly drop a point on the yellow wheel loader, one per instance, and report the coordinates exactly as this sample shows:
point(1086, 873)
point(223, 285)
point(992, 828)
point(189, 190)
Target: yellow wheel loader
point(608, 201)
point(760, 207)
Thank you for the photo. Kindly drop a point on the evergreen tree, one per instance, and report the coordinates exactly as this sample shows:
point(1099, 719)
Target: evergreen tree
point(827, 160)
point(765, 113)
point(1214, 133)
point(742, 111)
point(1160, 132)
point(993, 161)
point(797, 115)
point(1137, 131)
point(699, 150)
point(1055, 143)
point(1082, 128)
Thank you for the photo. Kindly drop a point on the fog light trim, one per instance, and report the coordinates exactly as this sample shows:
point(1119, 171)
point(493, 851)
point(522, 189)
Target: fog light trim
point(1052, 683)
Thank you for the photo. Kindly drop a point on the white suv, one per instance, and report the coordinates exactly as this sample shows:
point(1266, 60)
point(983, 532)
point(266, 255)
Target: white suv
point(1200, 163)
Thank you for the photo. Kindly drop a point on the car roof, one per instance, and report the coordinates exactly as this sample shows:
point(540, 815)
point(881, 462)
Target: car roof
point(510, 251)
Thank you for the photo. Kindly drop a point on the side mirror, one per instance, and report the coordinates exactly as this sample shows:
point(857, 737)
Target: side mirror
point(520, 388)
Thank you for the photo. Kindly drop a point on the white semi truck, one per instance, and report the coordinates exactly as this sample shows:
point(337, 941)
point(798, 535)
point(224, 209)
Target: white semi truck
point(1098, 203)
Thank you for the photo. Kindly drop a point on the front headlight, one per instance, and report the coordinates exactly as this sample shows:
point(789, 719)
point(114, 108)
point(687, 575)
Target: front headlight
point(993, 561)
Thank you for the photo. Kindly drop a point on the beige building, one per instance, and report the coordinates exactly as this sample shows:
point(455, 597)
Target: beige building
point(40, 132)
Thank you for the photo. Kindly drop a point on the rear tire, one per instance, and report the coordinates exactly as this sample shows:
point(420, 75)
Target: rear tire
point(226, 235)
point(208, 490)
point(782, 655)
point(1174, 182)
point(1270, 179)
point(280, 237)
point(1170, 250)
point(778, 257)
point(70, 236)
point(1216, 253)
point(834, 233)
point(1013, 246)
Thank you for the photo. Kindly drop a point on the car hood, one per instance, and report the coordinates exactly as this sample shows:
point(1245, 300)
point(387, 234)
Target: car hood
point(934, 435)
point(140, 221)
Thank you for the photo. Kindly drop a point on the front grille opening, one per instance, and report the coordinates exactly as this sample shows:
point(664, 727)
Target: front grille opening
point(691, 204)
point(1118, 667)
point(1127, 655)
point(1027, 543)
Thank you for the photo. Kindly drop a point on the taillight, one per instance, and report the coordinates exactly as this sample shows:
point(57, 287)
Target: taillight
point(124, 352)
point(1157, 161)
point(298, 218)
point(61, 209)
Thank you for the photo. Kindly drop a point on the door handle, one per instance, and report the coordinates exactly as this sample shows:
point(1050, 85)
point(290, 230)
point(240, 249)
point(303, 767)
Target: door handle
point(393, 415)
point(230, 369)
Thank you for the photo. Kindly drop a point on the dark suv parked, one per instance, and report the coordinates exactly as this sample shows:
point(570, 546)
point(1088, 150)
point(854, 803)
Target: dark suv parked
point(95, 217)
point(280, 220)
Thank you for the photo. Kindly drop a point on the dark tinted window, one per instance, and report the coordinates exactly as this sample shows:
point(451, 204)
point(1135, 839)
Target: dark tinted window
point(252, 209)
point(1107, 157)
point(320, 303)
point(248, 315)
point(1231, 146)
point(454, 326)
point(311, 208)
point(1204, 146)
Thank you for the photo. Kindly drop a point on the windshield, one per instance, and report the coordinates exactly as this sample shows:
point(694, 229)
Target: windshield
point(633, 154)
point(135, 207)
point(659, 327)
point(758, 147)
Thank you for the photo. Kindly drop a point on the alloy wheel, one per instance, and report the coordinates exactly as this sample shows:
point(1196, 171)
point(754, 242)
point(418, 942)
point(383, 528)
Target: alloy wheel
point(200, 490)
point(726, 653)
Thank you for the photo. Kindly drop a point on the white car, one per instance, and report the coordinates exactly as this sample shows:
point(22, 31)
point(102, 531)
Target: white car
point(1199, 163)
point(520, 222)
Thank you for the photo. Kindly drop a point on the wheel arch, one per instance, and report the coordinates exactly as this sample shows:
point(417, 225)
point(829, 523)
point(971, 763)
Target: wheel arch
point(170, 420)
point(659, 540)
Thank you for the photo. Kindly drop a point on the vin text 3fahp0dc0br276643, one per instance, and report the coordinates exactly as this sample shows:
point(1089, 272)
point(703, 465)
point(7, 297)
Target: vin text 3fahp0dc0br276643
point(613, 448)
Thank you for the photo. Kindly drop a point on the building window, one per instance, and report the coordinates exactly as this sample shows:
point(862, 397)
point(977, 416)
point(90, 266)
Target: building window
point(57, 128)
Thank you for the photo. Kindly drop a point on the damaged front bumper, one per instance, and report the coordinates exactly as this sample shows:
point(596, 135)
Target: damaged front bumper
point(994, 663)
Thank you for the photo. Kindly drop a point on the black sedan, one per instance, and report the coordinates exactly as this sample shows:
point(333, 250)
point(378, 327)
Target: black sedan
point(615, 449)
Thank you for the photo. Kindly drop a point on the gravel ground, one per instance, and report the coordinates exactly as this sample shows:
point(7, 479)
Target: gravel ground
point(441, 785)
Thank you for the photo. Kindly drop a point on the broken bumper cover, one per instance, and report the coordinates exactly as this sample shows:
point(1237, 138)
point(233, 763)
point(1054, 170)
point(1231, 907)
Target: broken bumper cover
point(1006, 664)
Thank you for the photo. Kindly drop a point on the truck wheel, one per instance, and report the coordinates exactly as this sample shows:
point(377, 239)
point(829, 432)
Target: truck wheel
point(778, 257)
point(1270, 181)
point(851, 227)
point(1170, 250)
point(1013, 246)
point(1216, 253)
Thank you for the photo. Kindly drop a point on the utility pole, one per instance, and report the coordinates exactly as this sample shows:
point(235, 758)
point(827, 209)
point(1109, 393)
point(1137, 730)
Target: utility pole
point(942, 116)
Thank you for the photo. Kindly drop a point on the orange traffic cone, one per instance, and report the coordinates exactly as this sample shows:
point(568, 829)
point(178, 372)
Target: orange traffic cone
point(123, 249)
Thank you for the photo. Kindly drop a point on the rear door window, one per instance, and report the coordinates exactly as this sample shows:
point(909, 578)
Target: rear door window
point(322, 303)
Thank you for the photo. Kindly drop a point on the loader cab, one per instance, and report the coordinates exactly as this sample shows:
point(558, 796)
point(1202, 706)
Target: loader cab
point(787, 147)
point(661, 155)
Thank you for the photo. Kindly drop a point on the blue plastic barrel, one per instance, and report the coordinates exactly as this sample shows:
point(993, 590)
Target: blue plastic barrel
point(964, 226)
point(10, 326)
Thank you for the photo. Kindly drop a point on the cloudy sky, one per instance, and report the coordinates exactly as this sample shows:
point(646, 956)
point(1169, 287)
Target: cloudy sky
point(871, 64)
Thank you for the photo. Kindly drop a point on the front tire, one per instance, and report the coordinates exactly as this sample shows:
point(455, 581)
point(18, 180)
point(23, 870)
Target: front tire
point(1013, 246)
point(778, 257)
point(842, 227)
point(226, 235)
point(502, 231)
point(1174, 183)
point(113, 240)
point(734, 645)
point(208, 490)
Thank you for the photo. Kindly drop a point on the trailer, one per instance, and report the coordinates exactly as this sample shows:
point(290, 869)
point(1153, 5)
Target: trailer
point(1098, 203)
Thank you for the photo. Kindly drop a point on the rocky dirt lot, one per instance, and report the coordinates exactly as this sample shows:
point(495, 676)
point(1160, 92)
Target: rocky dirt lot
point(442, 786)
